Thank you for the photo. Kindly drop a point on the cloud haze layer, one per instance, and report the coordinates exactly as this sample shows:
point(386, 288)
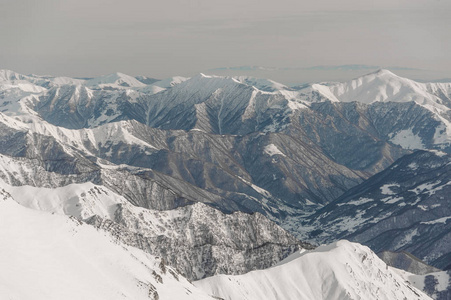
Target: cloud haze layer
point(163, 38)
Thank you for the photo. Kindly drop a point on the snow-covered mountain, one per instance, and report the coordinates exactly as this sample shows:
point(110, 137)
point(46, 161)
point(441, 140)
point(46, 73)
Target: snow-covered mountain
point(384, 87)
point(189, 169)
point(212, 106)
point(342, 270)
point(205, 131)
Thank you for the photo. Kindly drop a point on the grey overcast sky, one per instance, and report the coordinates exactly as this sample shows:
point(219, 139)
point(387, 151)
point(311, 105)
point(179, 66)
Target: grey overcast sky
point(182, 37)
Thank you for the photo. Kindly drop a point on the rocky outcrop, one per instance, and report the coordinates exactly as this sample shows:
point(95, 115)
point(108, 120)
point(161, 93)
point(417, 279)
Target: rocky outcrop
point(201, 241)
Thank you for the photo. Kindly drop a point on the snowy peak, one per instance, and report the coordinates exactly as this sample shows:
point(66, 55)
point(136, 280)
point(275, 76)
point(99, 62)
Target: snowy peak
point(383, 72)
point(170, 82)
point(118, 80)
point(260, 84)
point(8, 75)
point(266, 85)
point(382, 86)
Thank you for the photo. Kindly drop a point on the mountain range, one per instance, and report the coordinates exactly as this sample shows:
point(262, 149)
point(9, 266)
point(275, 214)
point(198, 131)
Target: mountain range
point(226, 175)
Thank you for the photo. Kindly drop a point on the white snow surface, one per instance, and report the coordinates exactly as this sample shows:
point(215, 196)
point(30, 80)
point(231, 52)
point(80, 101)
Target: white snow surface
point(342, 270)
point(407, 139)
point(437, 221)
point(49, 256)
point(430, 187)
point(272, 149)
point(386, 189)
point(81, 200)
point(384, 86)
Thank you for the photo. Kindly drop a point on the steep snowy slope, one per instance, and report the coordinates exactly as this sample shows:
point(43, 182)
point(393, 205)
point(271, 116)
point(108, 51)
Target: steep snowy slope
point(339, 271)
point(405, 207)
point(46, 256)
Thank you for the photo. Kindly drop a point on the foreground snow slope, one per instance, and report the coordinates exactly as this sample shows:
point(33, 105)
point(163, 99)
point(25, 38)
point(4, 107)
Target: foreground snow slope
point(342, 270)
point(49, 256)
point(198, 240)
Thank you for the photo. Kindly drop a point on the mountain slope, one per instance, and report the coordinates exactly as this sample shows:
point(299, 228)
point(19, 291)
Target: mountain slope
point(405, 207)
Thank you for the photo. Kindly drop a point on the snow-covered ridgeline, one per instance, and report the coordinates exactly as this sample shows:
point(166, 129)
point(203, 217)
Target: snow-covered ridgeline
point(342, 270)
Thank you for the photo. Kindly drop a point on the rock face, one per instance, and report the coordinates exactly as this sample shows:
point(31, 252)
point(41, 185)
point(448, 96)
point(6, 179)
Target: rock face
point(201, 241)
point(405, 207)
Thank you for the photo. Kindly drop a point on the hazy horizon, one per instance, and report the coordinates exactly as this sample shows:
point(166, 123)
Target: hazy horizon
point(165, 38)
